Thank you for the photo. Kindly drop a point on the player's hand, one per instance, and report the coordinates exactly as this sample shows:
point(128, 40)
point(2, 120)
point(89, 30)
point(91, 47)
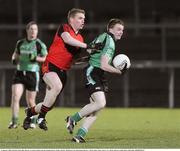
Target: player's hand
point(32, 57)
point(96, 46)
point(124, 69)
point(93, 51)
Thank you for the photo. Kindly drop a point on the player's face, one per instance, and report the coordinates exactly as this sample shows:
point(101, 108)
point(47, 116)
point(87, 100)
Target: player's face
point(78, 21)
point(117, 31)
point(32, 32)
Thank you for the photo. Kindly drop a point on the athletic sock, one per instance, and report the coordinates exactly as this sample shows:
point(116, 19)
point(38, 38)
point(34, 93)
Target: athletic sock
point(43, 112)
point(82, 132)
point(31, 111)
point(76, 117)
point(15, 120)
point(34, 120)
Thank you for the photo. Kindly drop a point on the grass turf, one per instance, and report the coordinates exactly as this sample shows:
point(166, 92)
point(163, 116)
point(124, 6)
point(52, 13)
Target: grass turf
point(115, 128)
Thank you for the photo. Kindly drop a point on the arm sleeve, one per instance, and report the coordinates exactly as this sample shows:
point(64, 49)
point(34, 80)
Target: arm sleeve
point(41, 48)
point(109, 47)
point(17, 47)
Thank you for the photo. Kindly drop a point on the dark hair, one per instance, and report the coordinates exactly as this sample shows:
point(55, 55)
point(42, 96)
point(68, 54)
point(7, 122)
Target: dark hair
point(113, 22)
point(30, 23)
point(74, 11)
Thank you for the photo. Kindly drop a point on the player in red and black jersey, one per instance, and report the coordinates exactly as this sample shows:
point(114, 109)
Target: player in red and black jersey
point(67, 43)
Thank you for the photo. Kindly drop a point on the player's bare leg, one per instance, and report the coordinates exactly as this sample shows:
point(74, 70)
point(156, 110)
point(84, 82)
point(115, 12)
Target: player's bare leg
point(83, 130)
point(17, 91)
point(97, 102)
point(54, 86)
point(30, 97)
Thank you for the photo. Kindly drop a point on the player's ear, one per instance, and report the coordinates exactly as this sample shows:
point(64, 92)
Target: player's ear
point(70, 19)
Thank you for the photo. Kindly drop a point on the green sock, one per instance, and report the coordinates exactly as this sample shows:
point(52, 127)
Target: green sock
point(81, 132)
point(15, 120)
point(76, 117)
point(34, 120)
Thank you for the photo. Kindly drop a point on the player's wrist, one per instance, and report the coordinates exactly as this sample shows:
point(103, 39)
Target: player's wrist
point(34, 59)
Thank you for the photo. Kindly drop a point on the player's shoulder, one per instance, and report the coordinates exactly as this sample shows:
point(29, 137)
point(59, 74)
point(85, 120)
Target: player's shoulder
point(40, 43)
point(66, 27)
point(106, 36)
point(110, 42)
point(20, 42)
point(110, 36)
point(100, 37)
point(39, 40)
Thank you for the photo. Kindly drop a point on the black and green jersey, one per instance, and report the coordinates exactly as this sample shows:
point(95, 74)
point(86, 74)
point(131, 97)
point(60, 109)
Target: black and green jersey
point(25, 48)
point(108, 50)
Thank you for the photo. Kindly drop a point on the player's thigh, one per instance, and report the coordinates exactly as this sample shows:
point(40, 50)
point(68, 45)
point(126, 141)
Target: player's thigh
point(17, 91)
point(99, 98)
point(53, 80)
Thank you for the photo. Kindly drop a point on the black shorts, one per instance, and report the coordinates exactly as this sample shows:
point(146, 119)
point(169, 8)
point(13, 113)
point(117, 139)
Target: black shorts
point(49, 67)
point(29, 79)
point(95, 80)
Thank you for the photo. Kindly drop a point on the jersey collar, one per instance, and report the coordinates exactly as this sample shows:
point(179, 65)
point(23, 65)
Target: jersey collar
point(30, 40)
point(111, 35)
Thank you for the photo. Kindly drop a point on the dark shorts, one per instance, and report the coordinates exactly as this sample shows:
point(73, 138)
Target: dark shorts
point(95, 80)
point(29, 79)
point(49, 67)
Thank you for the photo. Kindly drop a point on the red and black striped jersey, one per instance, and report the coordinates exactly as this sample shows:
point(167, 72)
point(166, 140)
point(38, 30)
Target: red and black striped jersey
point(60, 53)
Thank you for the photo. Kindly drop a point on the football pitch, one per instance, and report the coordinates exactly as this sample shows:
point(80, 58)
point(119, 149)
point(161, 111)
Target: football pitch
point(114, 128)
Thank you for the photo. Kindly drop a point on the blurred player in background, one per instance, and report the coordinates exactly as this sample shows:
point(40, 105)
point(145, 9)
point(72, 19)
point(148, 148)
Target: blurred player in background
point(29, 52)
point(99, 63)
point(66, 45)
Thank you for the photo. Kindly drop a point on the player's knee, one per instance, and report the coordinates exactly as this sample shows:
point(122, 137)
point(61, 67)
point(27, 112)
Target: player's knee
point(102, 104)
point(15, 98)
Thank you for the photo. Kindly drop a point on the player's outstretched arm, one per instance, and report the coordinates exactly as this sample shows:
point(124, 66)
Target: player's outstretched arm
point(68, 39)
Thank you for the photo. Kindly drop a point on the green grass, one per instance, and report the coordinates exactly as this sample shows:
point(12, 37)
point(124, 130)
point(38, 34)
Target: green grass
point(115, 128)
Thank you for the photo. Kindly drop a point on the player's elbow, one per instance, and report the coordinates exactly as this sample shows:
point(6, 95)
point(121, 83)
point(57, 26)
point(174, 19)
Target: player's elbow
point(66, 40)
point(104, 66)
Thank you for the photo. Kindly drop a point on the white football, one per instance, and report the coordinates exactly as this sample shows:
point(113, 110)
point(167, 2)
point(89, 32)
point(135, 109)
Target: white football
point(120, 60)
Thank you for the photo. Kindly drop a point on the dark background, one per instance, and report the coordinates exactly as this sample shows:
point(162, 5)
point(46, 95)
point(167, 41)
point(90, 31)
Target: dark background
point(152, 34)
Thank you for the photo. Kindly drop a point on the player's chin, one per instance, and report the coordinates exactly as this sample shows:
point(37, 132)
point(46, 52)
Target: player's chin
point(81, 27)
point(33, 36)
point(118, 38)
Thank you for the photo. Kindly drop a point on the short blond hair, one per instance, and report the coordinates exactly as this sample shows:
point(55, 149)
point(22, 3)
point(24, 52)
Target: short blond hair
point(74, 11)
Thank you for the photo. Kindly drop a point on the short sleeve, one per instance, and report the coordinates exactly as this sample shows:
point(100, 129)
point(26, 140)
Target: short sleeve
point(109, 47)
point(17, 47)
point(43, 49)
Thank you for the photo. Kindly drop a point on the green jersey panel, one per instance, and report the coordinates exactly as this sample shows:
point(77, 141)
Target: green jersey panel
point(108, 50)
point(26, 48)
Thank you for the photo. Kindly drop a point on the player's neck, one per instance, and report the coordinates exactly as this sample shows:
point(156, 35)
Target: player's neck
point(75, 30)
point(30, 38)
